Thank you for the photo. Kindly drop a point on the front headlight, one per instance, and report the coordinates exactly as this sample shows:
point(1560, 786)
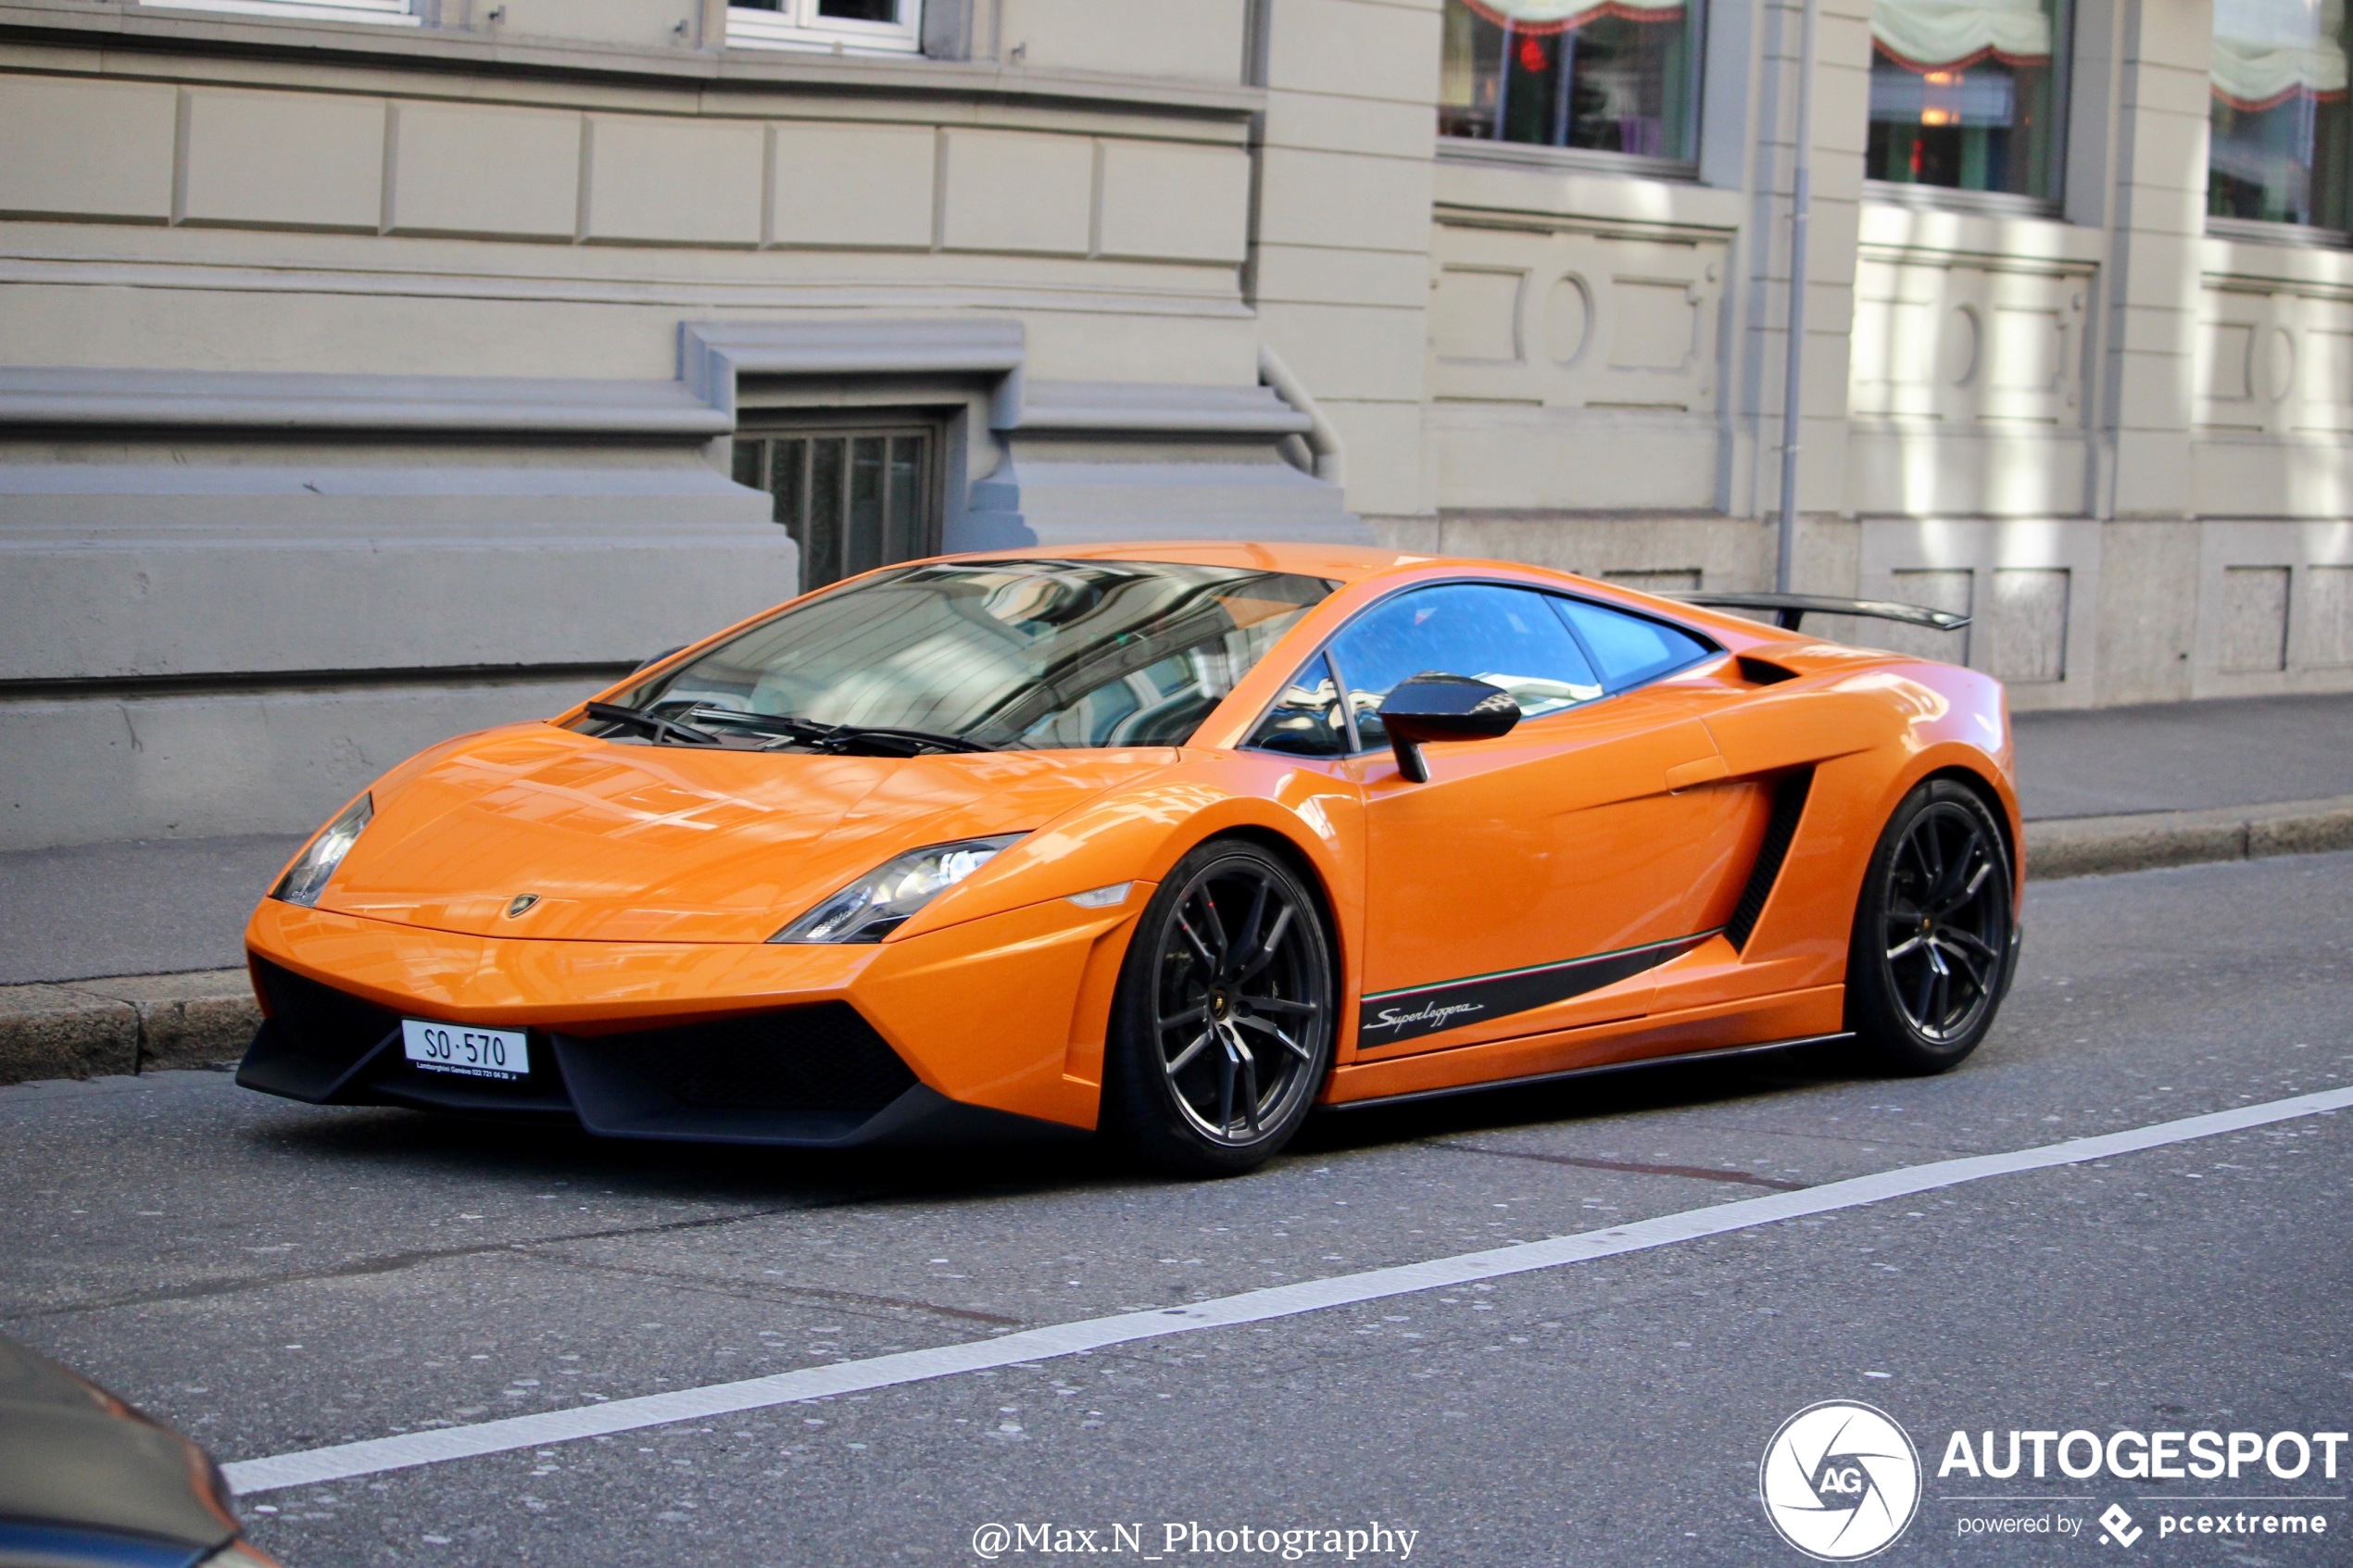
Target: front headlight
point(307, 878)
point(886, 898)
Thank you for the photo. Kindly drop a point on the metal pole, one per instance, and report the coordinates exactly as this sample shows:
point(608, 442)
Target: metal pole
point(1504, 81)
point(1568, 69)
point(1800, 197)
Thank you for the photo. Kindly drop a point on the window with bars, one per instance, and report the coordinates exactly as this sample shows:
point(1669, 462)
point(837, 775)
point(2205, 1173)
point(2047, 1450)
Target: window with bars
point(827, 24)
point(854, 497)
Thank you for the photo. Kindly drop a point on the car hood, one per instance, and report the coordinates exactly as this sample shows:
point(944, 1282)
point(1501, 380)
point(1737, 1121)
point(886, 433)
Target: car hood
point(74, 1457)
point(616, 842)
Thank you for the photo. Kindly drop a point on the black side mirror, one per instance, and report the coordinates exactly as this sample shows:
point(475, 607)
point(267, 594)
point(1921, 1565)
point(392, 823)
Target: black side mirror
point(1435, 707)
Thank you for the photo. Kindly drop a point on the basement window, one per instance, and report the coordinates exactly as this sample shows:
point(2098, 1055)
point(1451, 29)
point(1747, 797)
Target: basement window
point(854, 496)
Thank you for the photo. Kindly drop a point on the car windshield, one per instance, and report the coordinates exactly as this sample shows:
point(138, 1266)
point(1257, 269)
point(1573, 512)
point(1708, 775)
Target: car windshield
point(996, 656)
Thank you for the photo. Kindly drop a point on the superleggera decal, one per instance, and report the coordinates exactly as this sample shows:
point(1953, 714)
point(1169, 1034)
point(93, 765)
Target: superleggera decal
point(1390, 1016)
point(1422, 1020)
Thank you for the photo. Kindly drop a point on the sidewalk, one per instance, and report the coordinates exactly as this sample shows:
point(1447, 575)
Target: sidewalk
point(154, 908)
point(174, 905)
point(2185, 755)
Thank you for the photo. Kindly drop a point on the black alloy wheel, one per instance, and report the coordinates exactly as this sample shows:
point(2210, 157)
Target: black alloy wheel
point(1223, 1028)
point(1933, 940)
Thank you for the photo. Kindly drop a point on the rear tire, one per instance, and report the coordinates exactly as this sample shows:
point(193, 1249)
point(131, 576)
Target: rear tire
point(1223, 1025)
point(1933, 944)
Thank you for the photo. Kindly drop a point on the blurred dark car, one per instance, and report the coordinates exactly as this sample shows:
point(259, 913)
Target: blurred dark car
point(87, 1481)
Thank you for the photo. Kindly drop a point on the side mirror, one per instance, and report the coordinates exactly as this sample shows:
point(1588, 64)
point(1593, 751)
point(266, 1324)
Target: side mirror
point(1435, 707)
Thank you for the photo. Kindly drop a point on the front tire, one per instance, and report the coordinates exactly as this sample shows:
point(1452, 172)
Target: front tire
point(1223, 1027)
point(1933, 945)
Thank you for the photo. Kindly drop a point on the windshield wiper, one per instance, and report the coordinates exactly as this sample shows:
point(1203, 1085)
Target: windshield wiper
point(662, 728)
point(837, 737)
point(922, 740)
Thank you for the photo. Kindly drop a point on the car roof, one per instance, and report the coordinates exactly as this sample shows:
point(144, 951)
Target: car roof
point(1348, 563)
point(1351, 564)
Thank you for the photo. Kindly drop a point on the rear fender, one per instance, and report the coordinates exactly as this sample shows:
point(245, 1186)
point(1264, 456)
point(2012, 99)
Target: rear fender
point(1915, 720)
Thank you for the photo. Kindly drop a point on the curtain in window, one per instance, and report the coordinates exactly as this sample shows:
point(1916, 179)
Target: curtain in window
point(1943, 35)
point(1560, 16)
point(2268, 51)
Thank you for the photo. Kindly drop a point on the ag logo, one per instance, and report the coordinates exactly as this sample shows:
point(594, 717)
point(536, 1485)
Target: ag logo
point(1839, 1481)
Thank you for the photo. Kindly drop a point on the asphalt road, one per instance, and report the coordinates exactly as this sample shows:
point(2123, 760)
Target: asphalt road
point(274, 1278)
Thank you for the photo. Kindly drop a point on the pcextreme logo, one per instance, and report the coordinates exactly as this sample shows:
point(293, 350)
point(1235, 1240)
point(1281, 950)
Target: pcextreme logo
point(1839, 1481)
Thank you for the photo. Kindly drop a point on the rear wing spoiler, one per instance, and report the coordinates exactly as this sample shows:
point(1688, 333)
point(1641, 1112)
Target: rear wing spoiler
point(1789, 610)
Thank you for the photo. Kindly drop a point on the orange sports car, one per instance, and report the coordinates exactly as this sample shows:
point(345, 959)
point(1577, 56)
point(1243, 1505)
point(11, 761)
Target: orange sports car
point(1170, 842)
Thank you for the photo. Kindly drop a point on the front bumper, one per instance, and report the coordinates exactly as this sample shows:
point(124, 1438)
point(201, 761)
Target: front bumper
point(990, 1027)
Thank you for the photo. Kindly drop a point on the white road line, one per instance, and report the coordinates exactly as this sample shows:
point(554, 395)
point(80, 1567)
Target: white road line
point(343, 1460)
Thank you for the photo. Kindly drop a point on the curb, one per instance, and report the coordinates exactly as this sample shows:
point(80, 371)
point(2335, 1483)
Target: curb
point(2064, 846)
point(152, 1022)
point(132, 1024)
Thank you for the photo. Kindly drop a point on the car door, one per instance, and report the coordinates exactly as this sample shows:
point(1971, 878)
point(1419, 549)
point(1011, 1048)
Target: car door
point(1537, 879)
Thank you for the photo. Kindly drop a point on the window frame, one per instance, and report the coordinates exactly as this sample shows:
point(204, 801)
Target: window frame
point(379, 13)
point(1484, 149)
point(796, 25)
point(1953, 198)
point(2274, 231)
point(1356, 747)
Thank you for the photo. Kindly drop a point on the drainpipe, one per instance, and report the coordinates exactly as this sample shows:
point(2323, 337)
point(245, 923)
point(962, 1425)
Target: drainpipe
point(1785, 559)
point(1323, 440)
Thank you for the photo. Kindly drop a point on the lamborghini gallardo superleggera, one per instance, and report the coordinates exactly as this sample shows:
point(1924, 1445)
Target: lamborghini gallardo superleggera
point(1172, 842)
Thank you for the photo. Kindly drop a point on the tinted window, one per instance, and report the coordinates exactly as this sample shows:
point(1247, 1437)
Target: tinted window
point(1505, 636)
point(1305, 720)
point(1631, 648)
point(1012, 655)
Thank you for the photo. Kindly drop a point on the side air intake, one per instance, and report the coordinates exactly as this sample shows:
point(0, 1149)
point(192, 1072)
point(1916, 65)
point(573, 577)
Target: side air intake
point(1789, 805)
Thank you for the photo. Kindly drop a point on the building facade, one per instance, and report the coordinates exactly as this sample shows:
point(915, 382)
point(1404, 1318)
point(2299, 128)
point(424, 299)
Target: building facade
point(375, 369)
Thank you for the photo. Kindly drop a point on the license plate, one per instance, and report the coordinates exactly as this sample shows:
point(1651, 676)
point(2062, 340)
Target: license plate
point(475, 1053)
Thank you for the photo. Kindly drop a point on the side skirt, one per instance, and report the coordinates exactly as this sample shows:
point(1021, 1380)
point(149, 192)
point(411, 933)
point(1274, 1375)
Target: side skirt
point(1444, 1005)
point(1713, 1053)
